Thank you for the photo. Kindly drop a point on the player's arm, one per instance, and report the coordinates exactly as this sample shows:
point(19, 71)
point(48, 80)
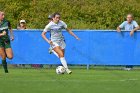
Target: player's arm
point(3, 33)
point(44, 35)
point(135, 29)
point(11, 31)
point(118, 29)
point(70, 32)
point(121, 26)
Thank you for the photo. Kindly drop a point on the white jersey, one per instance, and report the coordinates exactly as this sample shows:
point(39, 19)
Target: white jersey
point(56, 30)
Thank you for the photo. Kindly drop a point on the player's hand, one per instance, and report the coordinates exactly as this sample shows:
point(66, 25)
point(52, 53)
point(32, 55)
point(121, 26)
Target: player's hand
point(77, 38)
point(131, 33)
point(118, 30)
point(12, 38)
point(4, 33)
point(50, 42)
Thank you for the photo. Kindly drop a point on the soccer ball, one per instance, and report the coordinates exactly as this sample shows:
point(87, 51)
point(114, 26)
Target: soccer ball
point(60, 70)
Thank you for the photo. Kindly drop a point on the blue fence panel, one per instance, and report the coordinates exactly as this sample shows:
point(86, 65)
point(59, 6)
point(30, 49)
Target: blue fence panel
point(95, 47)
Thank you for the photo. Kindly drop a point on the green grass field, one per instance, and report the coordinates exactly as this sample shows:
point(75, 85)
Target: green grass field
point(81, 81)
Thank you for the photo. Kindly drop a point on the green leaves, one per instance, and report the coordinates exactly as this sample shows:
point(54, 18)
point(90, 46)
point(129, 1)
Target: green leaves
point(78, 14)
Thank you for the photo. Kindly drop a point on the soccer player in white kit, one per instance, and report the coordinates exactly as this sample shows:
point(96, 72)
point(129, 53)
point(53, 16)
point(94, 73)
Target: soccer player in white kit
point(57, 39)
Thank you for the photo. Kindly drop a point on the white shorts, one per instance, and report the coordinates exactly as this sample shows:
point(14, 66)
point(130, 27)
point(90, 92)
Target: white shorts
point(61, 43)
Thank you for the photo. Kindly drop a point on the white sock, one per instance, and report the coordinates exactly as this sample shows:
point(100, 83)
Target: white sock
point(55, 53)
point(63, 61)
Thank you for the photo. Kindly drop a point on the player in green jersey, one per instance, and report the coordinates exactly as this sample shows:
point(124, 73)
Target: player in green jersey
point(5, 47)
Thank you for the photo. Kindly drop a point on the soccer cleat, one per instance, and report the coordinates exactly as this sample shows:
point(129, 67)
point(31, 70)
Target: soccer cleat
point(127, 69)
point(68, 71)
point(50, 50)
point(6, 71)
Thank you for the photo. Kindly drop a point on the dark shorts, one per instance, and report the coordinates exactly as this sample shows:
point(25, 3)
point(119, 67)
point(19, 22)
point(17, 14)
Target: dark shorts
point(5, 42)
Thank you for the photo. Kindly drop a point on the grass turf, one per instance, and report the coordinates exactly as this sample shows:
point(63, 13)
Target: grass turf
point(81, 81)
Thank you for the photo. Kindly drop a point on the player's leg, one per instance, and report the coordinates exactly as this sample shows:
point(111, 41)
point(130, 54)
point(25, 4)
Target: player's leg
point(55, 53)
point(52, 51)
point(9, 53)
point(60, 53)
point(8, 49)
point(56, 45)
point(63, 50)
point(67, 70)
point(3, 56)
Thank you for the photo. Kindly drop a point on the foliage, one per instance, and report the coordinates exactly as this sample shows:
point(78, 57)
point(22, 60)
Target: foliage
point(78, 14)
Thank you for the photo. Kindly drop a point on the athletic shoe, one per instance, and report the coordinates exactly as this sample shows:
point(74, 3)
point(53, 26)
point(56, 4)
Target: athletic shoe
point(50, 50)
point(6, 71)
point(68, 71)
point(128, 69)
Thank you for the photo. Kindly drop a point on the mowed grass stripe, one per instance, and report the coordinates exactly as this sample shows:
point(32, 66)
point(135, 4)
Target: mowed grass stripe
point(81, 81)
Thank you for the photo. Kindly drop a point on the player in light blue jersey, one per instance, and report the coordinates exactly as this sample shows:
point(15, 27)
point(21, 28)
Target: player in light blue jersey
point(129, 25)
point(57, 39)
